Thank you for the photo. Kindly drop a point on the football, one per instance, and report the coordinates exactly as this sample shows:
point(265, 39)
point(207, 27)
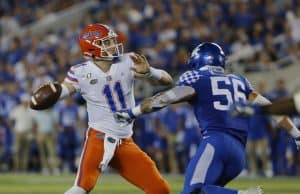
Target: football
point(45, 96)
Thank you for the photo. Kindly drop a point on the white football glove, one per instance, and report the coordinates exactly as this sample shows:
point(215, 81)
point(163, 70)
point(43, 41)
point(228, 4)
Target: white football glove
point(124, 117)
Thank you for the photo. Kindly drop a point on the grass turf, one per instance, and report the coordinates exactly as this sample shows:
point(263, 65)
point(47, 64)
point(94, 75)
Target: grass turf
point(113, 184)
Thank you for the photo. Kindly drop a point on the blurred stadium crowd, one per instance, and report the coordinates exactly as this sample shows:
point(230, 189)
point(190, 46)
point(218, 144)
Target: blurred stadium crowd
point(165, 31)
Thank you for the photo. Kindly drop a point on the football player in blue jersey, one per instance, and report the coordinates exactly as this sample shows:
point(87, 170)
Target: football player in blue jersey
point(221, 154)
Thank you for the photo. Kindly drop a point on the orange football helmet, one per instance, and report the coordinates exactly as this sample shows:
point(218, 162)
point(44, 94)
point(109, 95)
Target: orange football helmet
point(100, 42)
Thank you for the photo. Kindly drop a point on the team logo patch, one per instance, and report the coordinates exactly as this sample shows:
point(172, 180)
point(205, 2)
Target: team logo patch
point(90, 34)
point(93, 81)
point(111, 140)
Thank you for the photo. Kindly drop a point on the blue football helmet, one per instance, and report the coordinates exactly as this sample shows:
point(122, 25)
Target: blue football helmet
point(207, 54)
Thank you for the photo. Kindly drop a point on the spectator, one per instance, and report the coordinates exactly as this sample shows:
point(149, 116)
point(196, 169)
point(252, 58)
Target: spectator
point(6, 158)
point(279, 138)
point(47, 125)
point(258, 144)
point(22, 117)
point(161, 146)
point(67, 138)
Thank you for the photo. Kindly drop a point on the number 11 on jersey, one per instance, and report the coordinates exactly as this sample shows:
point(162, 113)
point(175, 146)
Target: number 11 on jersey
point(117, 88)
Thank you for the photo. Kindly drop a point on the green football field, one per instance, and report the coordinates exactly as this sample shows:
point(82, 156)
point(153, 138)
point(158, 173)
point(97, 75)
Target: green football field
point(113, 184)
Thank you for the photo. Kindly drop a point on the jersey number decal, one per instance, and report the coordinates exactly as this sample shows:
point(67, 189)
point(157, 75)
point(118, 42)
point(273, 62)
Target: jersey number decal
point(107, 91)
point(236, 96)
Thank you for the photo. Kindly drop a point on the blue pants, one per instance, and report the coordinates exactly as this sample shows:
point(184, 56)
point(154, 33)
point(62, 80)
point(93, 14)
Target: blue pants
point(219, 159)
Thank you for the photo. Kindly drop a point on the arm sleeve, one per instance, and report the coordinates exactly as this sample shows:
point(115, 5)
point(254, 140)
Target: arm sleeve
point(72, 77)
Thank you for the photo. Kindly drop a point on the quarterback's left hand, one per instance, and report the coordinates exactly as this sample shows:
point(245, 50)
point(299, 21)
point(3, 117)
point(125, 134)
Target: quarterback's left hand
point(124, 117)
point(141, 65)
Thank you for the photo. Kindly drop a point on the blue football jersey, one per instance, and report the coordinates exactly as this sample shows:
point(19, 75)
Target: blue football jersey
point(215, 93)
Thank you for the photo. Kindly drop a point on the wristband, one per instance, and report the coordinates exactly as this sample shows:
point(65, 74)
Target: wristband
point(154, 73)
point(64, 91)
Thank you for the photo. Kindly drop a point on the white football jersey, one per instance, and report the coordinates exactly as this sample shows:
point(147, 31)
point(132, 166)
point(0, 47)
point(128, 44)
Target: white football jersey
point(105, 93)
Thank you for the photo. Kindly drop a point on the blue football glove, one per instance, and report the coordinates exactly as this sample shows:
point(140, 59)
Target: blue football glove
point(244, 109)
point(124, 117)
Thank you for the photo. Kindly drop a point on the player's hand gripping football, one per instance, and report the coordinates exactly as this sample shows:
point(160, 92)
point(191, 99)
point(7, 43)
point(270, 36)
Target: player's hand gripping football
point(124, 117)
point(141, 65)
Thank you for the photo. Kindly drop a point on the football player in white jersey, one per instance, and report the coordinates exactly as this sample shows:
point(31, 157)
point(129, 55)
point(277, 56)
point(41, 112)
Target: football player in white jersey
point(106, 83)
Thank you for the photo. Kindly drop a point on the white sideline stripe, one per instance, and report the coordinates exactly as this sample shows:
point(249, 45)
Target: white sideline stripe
point(81, 156)
point(203, 165)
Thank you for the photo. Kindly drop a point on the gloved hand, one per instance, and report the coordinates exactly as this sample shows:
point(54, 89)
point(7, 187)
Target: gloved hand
point(124, 117)
point(244, 109)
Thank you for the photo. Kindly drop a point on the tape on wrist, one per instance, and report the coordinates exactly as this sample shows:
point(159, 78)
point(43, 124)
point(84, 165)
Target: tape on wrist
point(64, 91)
point(154, 73)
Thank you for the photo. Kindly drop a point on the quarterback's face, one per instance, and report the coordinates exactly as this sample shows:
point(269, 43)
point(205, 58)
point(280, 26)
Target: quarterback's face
point(108, 45)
